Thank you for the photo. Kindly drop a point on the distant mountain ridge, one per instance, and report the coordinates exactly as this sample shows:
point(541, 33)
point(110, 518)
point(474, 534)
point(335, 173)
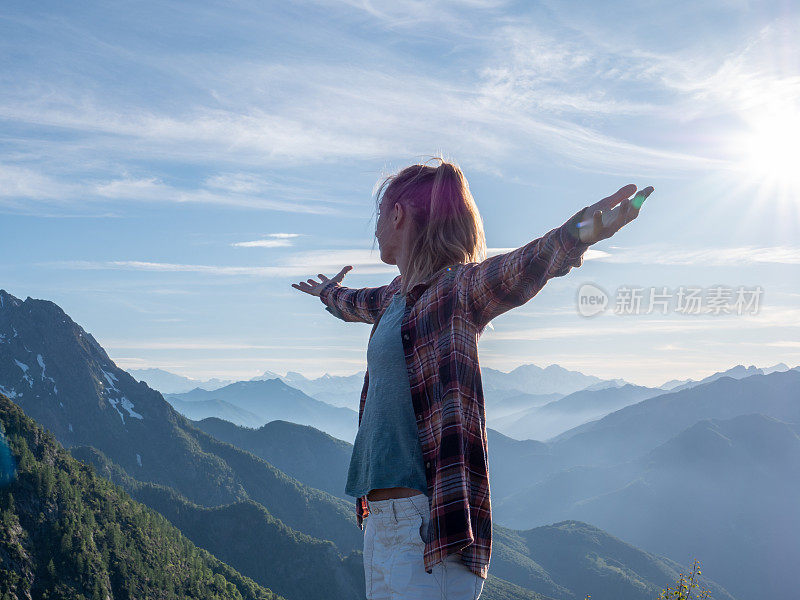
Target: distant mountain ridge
point(532, 379)
point(553, 418)
point(344, 390)
point(336, 390)
point(273, 399)
point(528, 379)
point(202, 409)
point(736, 372)
point(171, 383)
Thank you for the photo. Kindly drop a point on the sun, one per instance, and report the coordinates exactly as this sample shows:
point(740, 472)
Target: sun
point(771, 149)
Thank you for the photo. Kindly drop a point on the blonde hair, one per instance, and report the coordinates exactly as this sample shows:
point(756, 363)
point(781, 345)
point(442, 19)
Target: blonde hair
point(448, 228)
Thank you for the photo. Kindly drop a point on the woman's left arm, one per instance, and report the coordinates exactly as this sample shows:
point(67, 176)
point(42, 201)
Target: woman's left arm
point(500, 283)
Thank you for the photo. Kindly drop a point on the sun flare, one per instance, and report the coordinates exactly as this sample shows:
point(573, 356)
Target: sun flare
point(771, 149)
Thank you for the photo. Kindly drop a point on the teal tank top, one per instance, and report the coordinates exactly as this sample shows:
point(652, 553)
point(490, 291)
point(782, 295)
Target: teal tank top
point(387, 451)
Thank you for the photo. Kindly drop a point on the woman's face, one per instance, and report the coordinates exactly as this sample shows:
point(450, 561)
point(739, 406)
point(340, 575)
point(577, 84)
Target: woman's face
point(387, 231)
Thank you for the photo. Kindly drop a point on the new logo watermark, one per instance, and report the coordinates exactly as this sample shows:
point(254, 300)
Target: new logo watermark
point(592, 300)
point(687, 300)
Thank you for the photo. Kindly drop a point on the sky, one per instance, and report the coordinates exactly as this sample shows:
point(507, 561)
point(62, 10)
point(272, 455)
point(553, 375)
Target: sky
point(168, 169)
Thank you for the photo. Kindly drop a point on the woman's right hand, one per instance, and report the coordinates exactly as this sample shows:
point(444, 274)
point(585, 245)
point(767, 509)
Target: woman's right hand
point(314, 287)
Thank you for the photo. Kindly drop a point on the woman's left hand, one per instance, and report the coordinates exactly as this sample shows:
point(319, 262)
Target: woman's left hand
point(591, 228)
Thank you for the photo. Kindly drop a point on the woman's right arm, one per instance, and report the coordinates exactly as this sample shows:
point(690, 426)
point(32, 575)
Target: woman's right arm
point(348, 304)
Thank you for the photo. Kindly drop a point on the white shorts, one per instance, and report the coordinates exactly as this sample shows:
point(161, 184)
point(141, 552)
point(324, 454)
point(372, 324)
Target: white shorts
point(394, 533)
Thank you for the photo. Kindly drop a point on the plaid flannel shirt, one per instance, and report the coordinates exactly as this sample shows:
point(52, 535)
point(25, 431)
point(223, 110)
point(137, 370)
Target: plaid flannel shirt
point(444, 317)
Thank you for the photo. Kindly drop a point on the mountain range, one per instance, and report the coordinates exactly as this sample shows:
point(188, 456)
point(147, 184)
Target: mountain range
point(618, 472)
point(520, 415)
point(605, 471)
point(209, 488)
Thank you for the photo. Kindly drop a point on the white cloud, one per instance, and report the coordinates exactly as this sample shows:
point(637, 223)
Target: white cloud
point(205, 344)
point(323, 112)
point(277, 240)
point(263, 244)
point(153, 190)
point(527, 90)
point(747, 78)
point(531, 68)
point(19, 186)
point(367, 262)
point(611, 326)
point(654, 254)
point(301, 264)
point(452, 16)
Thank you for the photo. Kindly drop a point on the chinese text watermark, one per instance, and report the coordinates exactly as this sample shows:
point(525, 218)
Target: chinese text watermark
point(685, 299)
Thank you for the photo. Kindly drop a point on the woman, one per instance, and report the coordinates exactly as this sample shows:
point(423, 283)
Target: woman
point(419, 467)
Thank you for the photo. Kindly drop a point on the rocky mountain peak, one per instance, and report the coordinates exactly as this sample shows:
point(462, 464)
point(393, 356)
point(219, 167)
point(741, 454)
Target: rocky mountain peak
point(60, 375)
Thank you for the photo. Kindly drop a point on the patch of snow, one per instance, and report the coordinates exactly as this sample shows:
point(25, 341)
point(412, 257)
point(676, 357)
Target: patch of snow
point(15, 331)
point(114, 404)
point(10, 393)
point(24, 368)
point(128, 405)
point(139, 459)
point(25, 375)
point(61, 404)
point(44, 376)
point(1, 302)
point(110, 378)
point(70, 427)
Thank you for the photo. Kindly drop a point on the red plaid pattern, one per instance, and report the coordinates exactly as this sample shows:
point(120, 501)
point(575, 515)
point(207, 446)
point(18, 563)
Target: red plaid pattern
point(444, 318)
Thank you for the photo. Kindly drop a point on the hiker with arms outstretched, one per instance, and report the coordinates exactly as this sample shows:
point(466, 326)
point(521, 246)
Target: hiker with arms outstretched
point(419, 468)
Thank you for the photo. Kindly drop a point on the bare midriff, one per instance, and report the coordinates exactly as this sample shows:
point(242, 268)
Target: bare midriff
point(392, 492)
